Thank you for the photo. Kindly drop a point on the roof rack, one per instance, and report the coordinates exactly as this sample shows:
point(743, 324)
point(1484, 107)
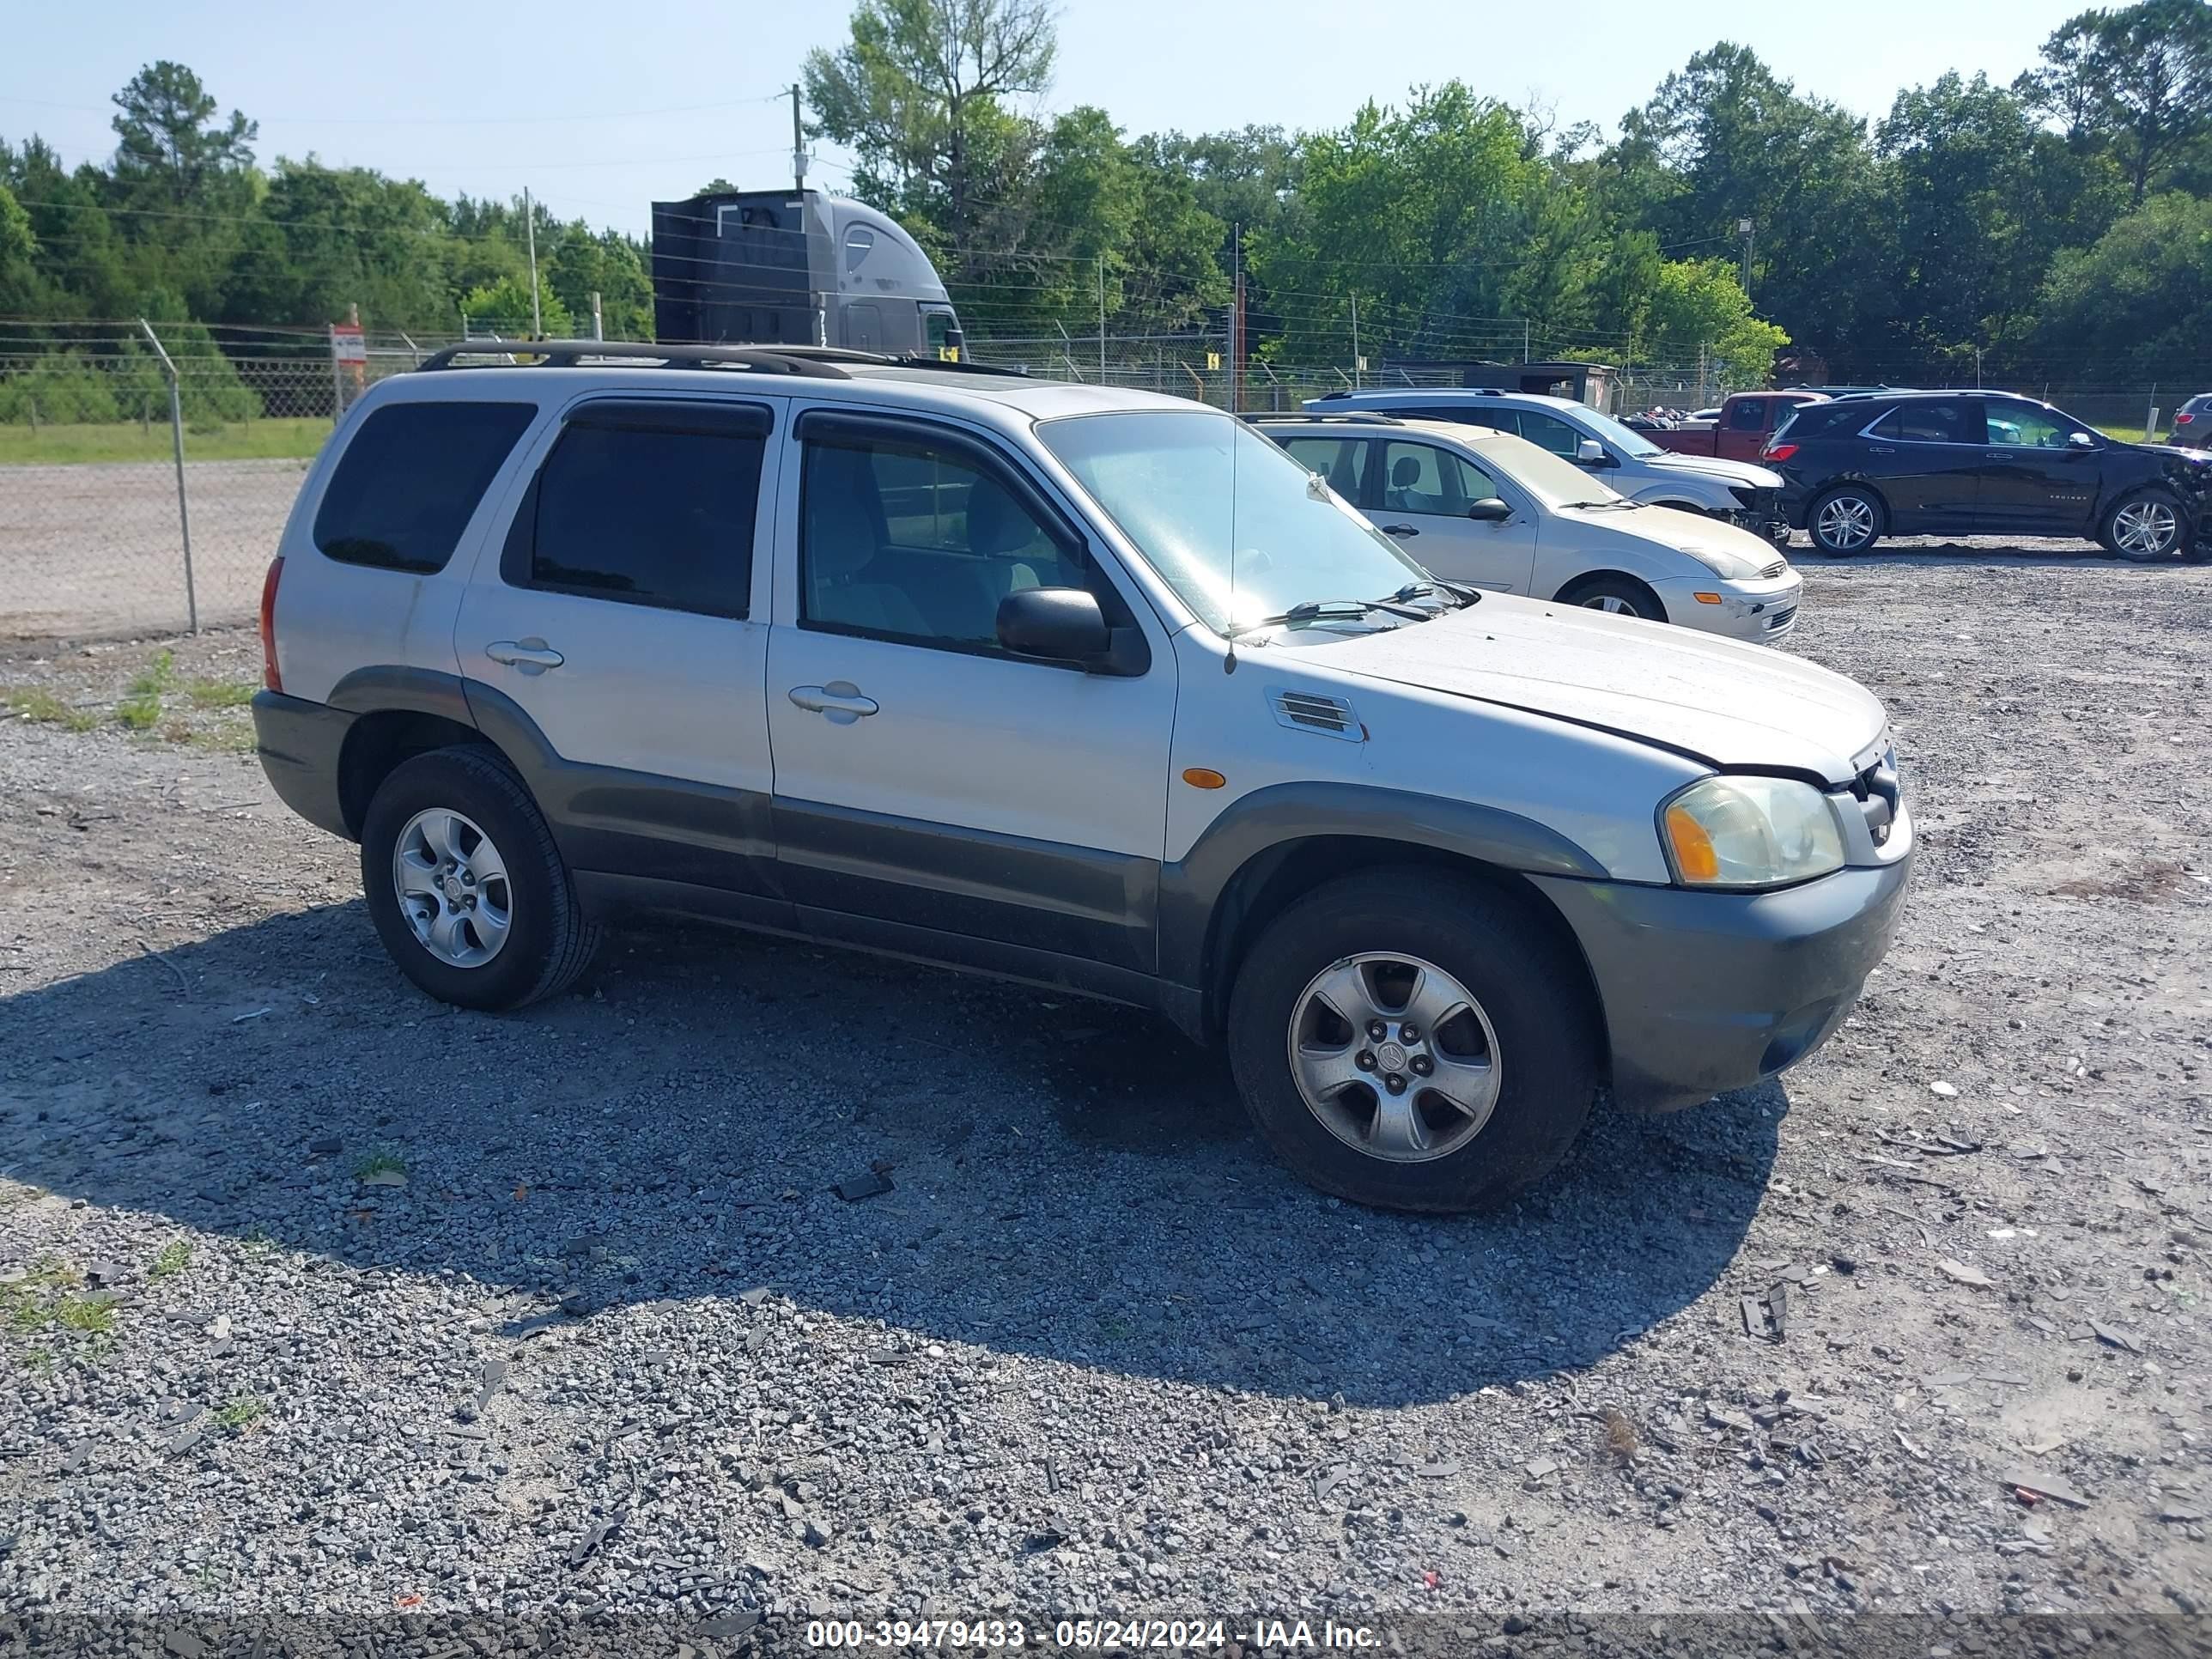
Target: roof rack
point(819, 362)
point(1349, 417)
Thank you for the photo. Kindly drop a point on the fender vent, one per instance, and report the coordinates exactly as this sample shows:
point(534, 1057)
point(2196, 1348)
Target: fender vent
point(1309, 711)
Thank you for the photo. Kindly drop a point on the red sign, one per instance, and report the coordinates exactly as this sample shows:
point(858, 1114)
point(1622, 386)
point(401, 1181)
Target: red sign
point(347, 345)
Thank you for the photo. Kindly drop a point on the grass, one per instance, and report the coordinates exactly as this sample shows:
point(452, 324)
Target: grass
point(35, 703)
point(140, 710)
point(379, 1163)
point(292, 438)
point(221, 694)
point(176, 1256)
point(46, 1298)
point(240, 1414)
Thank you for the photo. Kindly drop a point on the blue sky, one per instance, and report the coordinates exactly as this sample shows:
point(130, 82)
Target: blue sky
point(603, 108)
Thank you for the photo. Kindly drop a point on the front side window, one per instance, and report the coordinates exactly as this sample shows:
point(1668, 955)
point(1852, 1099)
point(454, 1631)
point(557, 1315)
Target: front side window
point(2025, 425)
point(1187, 488)
point(1748, 416)
point(1423, 478)
point(410, 479)
point(918, 540)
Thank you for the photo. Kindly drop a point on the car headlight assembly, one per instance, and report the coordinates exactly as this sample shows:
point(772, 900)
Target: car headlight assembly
point(1749, 832)
point(1724, 564)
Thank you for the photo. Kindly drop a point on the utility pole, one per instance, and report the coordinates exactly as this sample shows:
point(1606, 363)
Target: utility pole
point(1355, 340)
point(1237, 322)
point(1525, 339)
point(530, 232)
point(798, 145)
point(1743, 228)
point(1102, 319)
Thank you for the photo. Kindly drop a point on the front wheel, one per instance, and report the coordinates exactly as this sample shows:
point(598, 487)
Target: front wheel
point(1844, 521)
point(1619, 596)
point(1415, 1041)
point(2146, 524)
point(464, 885)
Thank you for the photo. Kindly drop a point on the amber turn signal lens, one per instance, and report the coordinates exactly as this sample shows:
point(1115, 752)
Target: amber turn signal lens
point(1706, 599)
point(1693, 848)
point(1203, 777)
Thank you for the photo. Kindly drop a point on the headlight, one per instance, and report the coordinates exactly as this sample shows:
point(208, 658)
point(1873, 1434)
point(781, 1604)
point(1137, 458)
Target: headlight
point(1750, 832)
point(1726, 565)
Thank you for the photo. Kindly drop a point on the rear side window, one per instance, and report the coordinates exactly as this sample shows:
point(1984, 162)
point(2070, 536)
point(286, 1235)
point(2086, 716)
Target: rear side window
point(1928, 423)
point(408, 481)
point(1342, 461)
point(1748, 416)
point(646, 504)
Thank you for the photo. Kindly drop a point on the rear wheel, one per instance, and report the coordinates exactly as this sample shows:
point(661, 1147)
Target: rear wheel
point(1620, 596)
point(1414, 1041)
point(2148, 523)
point(466, 886)
point(1845, 521)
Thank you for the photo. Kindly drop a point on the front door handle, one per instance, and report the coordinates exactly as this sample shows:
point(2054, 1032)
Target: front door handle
point(1400, 530)
point(531, 656)
point(839, 700)
point(1883, 449)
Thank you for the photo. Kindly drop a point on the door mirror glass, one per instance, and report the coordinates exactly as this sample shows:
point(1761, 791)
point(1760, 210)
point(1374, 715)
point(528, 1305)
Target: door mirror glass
point(1490, 510)
point(1060, 624)
point(2080, 441)
point(1589, 453)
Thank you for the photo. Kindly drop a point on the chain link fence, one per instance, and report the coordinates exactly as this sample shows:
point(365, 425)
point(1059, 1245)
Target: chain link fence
point(146, 471)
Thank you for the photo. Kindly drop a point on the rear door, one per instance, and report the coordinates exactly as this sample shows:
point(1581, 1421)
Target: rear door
point(2035, 478)
point(928, 783)
point(1925, 457)
point(1425, 491)
point(615, 636)
point(1740, 433)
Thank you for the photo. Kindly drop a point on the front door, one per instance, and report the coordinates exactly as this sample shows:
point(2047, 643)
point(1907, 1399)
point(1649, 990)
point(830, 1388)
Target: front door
point(621, 623)
point(1925, 458)
point(1424, 495)
point(928, 782)
point(2037, 478)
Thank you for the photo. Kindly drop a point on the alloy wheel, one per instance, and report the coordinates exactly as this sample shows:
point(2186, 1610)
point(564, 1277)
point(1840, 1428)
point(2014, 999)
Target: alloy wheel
point(2146, 529)
point(1395, 1057)
point(452, 887)
point(1846, 522)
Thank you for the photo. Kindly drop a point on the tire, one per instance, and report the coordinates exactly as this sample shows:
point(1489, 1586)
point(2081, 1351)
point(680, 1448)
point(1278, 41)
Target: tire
point(1620, 596)
point(1531, 1013)
point(470, 799)
point(2131, 527)
point(1853, 509)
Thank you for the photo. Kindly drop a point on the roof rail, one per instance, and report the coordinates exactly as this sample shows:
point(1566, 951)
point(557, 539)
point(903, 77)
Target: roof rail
point(819, 362)
point(1349, 417)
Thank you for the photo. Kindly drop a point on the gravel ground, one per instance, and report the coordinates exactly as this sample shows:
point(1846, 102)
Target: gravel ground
point(324, 1298)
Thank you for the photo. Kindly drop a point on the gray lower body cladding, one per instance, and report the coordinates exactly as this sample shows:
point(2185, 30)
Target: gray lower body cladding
point(299, 742)
point(1708, 992)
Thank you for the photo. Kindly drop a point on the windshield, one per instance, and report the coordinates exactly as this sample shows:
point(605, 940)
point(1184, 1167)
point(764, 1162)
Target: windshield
point(1165, 479)
point(1620, 437)
point(1557, 480)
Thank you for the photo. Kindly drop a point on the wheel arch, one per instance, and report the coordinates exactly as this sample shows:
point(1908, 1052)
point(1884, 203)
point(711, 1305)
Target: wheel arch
point(1569, 591)
point(398, 712)
point(1279, 843)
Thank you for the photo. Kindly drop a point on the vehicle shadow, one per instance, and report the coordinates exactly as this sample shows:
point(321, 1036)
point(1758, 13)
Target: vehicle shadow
point(1067, 1179)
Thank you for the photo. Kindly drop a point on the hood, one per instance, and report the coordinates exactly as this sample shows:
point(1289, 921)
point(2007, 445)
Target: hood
point(1730, 553)
point(1728, 705)
point(1713, 466)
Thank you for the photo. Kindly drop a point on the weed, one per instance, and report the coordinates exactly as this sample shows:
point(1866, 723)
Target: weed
point(221, 694)
point(35, 703)
point(160, 675)
point(94, 1314)
point(176, 1256)
point(379, 1163)
point(241, 1413)
point(1621, 1439)
point(139, 711)
point(227, 739)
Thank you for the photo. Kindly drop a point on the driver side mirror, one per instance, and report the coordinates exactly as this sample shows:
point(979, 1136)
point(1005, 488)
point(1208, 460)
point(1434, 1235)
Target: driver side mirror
point(1489, 510)
point(1064, 624)
point(2079, 441)
point(1590, 452)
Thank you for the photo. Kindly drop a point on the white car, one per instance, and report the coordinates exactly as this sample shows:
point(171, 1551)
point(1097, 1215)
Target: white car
point(1735, 490)
point(1482, 506)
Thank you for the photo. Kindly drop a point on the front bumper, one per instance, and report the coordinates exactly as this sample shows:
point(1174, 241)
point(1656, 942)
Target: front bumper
point(298, 742)
point(1708, 992)
point(1758, 612)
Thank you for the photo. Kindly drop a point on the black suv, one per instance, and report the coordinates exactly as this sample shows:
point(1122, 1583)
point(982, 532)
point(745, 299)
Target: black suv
point(1982, 464)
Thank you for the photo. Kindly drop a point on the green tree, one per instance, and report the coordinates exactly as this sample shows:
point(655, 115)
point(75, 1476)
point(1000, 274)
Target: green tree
point(1700, 303)
point(505, 306)
point(170, 143)
point(918, 92)
point(2137, 301)
point(329, 239)
point(2137, 79)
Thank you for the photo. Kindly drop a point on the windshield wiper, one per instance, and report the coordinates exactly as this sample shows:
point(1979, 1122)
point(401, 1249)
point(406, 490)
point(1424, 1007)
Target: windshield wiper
point(1465, 595)
point(1618, 502)
point(1313, 611)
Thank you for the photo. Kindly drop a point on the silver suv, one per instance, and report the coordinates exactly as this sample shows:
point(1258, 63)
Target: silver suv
point(1092, 689)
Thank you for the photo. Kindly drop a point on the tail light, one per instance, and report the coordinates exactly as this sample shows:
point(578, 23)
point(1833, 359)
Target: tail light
point(2182, 420)
point(1778, 452)
point(269, 676)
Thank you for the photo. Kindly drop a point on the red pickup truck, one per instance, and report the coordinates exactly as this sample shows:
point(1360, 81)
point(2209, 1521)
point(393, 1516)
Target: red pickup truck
point(1747, 420)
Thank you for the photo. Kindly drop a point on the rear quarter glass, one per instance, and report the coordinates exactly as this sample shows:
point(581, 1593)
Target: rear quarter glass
point(410, 478)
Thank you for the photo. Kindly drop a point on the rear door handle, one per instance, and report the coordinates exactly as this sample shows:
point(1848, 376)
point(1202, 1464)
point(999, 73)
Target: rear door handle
point(531, 656)
point(1884, 449)
point(839, 700)
point(1400, 530)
